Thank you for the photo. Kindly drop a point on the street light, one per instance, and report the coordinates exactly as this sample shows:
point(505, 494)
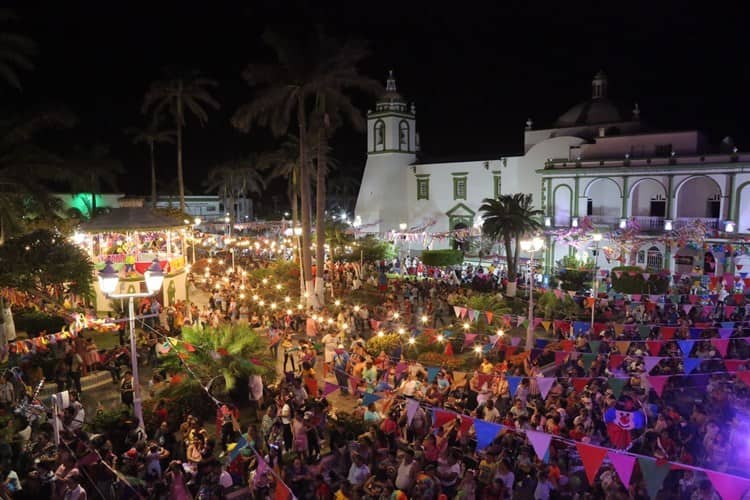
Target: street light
point(531, 246)
point(298, 232)
point(403, 227)
point(196, 223)
point(108, 280)
point(596, 237)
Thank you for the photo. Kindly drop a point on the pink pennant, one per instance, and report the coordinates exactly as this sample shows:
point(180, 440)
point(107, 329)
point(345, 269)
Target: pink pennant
point(729, 487)
point(457, 311)
point(707, 309)
point(514, 341)
point(545, 384)
point(464, 312)
point(693, 299)
point(329, 388)
point(650, 362)
point(560, 357)
point(469, 339)
point(646, 276)
point(744, 376)
point(729, 310)
point(658, 382)
point(520, 320)
point(412, 405)
point(540, 441)
point(623, 465)
point(721, 345)
point(537, 321)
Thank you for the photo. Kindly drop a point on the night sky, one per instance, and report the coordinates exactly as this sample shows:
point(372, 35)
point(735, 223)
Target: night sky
point(476, 74)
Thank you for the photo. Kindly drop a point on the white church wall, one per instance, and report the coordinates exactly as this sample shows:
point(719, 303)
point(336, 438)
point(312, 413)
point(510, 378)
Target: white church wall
point(693, 192)
point(642, 191)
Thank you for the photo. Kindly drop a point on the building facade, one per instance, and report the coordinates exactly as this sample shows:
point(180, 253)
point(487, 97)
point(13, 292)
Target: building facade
point(593, 167)
point(210, 207)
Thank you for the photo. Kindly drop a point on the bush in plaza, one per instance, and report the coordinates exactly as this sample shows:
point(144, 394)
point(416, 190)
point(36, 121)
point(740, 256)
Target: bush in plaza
point(439, 359)
point(34, 322)
point(631, 281)
point(369, 249)
point(388, 343)
point(442, 258)
point(550, 307)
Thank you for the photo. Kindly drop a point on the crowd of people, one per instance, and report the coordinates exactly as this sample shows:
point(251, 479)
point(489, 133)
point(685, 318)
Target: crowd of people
point(345, 422)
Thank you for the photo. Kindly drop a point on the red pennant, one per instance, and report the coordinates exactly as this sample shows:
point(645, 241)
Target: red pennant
point(744, 376)
point(654, 347)
point(448, 349)
point(580, 383)
point(667, 332)
point(282, 492)
point(592, 458)
point(615, 360)
point(658, 382)
point(721, 345)
point(560, 357)
point(567, 345)
point(488, 314)
point(442, 417)
point(466, 423)
point(189, 347)
point(733, 364)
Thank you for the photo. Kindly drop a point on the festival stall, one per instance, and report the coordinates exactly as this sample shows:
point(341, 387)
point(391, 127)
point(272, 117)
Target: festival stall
point(131, 238)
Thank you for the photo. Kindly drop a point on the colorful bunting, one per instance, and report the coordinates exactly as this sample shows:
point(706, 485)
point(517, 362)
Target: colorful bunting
point(592, 458)
point(657, 383)
point(653, 473)
point(540, 441)
point(623, 465)
point(485, 432)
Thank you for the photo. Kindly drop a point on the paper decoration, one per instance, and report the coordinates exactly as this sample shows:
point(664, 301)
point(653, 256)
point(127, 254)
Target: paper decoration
point(580, 383)
point(488, 315)
point(369, 398)
point(592, 458)
point(686, 346)
point(486, 433)
point(616, 384)
point(540, 441)
point(432, 372)
point(729, 487)
point(721, 345)
point(282, 492)
point(594, 346)
point(329, 388)
point(546, 324)
point(588, 360)
point(513, 383)
point(457, 311)
point(657, 383)
point(615, 360)
point(545, 384)
point(667, 332)
point(469, 339)
point(653, 473)
point(650, 362)
point(560, 357)
point(623, 465)
point(690, 364)
point(654, 347)
point(744, 376)
point(622, 346)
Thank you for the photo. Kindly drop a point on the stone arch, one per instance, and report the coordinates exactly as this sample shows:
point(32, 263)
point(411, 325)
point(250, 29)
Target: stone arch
point(698, 196)
point(742, 208)
point(562, 210)
point(642, 193)
point(603, 204)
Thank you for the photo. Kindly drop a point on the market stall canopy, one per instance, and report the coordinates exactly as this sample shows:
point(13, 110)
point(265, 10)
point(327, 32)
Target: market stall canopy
point(131, 219)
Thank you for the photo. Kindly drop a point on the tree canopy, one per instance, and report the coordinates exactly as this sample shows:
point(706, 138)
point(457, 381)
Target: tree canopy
point(45, 264)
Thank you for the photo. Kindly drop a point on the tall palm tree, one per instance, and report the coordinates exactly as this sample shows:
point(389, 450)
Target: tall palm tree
point(92, 171)
point(150, 136)
point(234, 179)
point(16, 52)
point(179, 95)
point(284, 162)
point(508, 218)
point(333, 107)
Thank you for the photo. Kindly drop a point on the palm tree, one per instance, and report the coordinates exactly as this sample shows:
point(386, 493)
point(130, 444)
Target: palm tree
point(508, 218)
point(15, 52)
point(151, 136)
point(283, 162)
point(234, 179)
point(179, 95)
point(92, 171)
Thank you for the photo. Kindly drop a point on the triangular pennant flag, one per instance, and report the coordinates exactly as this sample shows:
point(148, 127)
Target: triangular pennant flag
point(282, 492)
point(464, 311)
point(657, 383)
point(725, 333)
point(588, 360)
point(622, 346)
point(469, 339)
point(329, 388)
point(567, 345)
point(369, 398)
point(653, 473)
point(695, 333)
point(475, 314)
point(488, 315)
point(493, 339)
point(616, 384)
point(707, 309)
point(727, 324)
point(650, 361)
point(728, 310)
point(744, 376)
point(623, 465)
point(592, 458)
point(520, 320)
point(514, 341)
point(457, 310)
point(686, 308)
point(667, 332)
point(580, 327)
point(560, 357)
point(729, 487)
point(513, 383)
point(615, 360)
point(734, 364)
point(540, 441)
point(545, 384)
point(448, 349)
point(721, 345)
point(594, 346)
point(644, 331)
point(690, 364)
point(486, 433)
point(580, 383)
point(537, 321)
point(412, 405)
point(432, 372)
point(546, 324)
point(618, 274)
point(686, 346)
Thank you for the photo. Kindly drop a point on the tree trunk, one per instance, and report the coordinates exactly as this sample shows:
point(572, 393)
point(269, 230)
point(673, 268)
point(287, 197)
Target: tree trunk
point(293, 195)
point(180, 180)
point(305, 202)
point(320, 208)
point(7, 326)
point(93, 202)
point(153, 174)
point(510, 289)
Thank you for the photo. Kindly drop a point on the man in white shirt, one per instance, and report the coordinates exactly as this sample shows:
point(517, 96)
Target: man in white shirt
point(407, 471)
point(358, 472)
point(449, 473)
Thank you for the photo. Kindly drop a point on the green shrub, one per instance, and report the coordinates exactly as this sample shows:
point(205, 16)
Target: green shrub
point(442, 258)
point(636, 284)
point(35, 322)
point(388, 343)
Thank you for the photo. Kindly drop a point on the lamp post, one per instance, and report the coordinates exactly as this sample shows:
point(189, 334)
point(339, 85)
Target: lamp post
point(298, 233)
point(597, 237)
point(196, 223)
point(108, 280)
point(227, 221)
point(531, 246)
point(402, 227)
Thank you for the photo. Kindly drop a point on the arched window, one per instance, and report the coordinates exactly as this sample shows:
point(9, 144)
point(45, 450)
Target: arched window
point(654, 260)
point(403, 136)
point(379, 132)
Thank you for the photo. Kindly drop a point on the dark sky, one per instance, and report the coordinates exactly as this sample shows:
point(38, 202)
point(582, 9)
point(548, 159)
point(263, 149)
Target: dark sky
point(475, 70)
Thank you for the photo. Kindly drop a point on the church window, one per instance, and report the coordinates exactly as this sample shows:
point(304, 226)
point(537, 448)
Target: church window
point(423, 188)
point(459, 188)
point(403, 136)
point(497, 184)
point(379, 136)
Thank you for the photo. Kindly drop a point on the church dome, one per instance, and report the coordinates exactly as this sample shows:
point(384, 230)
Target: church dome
point(597, 110)
point(391, 99)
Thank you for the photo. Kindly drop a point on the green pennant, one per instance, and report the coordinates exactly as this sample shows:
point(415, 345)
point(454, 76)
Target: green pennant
point(594, 345)
point(644, 331)
point(653, 473)
point(525, 324)
point(676, 299)
point(616, 384)
point(588, 359)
